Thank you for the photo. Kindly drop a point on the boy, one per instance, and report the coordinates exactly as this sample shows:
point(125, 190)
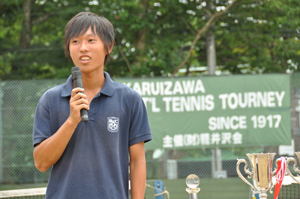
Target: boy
point(90, 159)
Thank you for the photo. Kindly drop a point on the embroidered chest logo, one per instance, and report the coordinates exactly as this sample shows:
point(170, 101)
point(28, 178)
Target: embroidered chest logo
point(113, 124)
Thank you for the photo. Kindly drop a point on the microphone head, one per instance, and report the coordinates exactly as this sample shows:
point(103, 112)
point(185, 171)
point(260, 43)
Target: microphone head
point(76, 72)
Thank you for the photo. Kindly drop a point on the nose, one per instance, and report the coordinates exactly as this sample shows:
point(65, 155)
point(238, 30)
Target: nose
point(83, 47)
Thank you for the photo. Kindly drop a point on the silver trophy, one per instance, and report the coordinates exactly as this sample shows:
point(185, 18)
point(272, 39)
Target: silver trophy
point(290, 159)
point(261, 175)
point(192, 181)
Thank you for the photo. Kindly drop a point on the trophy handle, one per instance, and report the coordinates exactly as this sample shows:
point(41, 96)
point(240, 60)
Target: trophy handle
point(274, 174)
point(246, 171)
point(294, 167)
point(276, 166)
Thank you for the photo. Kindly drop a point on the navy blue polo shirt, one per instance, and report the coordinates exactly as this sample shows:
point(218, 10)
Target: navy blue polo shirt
point(95, 161)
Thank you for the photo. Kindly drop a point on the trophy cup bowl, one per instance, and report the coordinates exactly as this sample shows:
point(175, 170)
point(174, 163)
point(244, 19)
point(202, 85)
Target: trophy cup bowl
point(192, 181)
point(261, 172)
point(291, 159)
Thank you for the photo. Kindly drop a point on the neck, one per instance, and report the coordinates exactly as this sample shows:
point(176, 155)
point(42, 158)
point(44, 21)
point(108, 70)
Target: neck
point(93, 81)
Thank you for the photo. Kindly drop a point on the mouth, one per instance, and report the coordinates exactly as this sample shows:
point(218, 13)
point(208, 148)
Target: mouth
point(85, 59)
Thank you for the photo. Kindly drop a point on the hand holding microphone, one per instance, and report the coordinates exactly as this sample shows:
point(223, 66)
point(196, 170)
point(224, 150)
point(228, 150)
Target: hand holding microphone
point(76, 76)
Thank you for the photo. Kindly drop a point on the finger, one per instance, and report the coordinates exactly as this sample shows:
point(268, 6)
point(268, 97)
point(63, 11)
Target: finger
point(77, 108)
point(75, 112)
point(76, 90)
point(78, 96)
point(79, 102)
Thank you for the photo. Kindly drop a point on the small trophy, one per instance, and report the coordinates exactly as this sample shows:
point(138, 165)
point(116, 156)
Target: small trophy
point(192, 181)
point(290, 159)
point(261, 166)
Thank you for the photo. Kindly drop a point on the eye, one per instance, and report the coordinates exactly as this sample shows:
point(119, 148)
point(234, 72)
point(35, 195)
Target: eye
point(74, 41)
point(91, 40)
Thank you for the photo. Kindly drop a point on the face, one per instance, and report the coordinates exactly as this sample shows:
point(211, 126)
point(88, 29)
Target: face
point(88, 51)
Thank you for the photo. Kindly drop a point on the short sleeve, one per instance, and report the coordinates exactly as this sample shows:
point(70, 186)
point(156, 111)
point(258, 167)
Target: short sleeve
point(41, 126)
point(139, 123)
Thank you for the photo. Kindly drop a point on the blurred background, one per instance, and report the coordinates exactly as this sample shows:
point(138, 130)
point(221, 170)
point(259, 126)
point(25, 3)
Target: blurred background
point(155, 39)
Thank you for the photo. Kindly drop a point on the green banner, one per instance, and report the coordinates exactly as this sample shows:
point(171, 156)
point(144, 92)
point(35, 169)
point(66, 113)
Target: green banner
point(209, 112)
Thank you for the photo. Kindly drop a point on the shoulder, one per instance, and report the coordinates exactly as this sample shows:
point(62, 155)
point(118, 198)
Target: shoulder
point(126, 91)
point(51, 94)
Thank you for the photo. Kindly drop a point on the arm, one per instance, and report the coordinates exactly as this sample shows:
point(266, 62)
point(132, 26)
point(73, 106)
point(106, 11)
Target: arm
point(137, 170)
point(50, 150)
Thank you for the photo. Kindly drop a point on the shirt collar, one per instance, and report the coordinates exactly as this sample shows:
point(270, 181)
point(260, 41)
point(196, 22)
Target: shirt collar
point(107, 89)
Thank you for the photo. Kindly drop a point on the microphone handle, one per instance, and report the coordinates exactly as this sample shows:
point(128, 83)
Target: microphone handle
point(84, 115)
point(83, 112)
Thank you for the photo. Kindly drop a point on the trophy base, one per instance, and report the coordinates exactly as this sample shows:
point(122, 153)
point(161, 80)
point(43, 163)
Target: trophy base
point(193, 196)
point(263, 196)
point(192, 190)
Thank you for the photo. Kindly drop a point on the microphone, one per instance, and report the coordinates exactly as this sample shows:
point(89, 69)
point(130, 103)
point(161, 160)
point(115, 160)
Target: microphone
point(76, 77)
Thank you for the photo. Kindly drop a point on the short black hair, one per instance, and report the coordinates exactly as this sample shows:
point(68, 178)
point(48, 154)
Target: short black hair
point(99, 25)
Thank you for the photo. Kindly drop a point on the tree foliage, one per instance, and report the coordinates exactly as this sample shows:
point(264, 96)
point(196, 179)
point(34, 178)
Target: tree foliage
point(261, 37)
point(153, 37)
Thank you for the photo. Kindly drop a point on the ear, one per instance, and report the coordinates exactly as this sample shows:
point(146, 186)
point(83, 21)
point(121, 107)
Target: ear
point(111, 46)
